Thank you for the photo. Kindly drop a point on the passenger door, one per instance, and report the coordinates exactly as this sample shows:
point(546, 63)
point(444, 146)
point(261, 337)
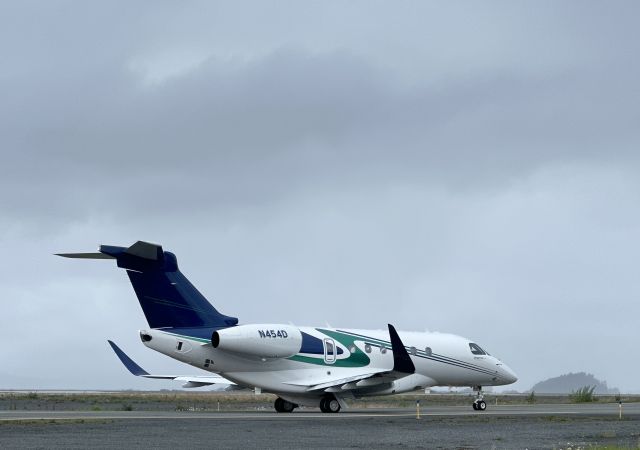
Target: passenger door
point(329, 351)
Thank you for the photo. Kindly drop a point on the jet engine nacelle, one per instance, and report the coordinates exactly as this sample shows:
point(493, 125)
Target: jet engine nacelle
point(260, 340)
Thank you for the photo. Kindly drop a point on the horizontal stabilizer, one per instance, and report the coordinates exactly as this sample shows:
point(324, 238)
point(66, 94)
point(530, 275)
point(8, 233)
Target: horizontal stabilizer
point(86, 255)
point(146, 250)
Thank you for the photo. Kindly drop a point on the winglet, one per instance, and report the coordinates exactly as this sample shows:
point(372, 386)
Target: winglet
point(401, 359)
point(128, 362)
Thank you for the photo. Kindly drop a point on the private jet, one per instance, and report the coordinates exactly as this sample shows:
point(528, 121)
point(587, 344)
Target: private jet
point(310, 366)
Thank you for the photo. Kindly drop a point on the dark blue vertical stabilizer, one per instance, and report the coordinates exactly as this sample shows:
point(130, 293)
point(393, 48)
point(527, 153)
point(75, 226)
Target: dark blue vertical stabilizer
point(167, 298)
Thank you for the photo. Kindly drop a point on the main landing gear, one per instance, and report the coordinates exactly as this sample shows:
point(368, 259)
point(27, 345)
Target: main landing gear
point(282, 405)
point(329, 405)
point(479, 403)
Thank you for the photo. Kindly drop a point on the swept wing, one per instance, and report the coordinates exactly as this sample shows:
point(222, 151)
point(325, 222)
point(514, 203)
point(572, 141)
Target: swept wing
point(190, 381)
point(402, 367)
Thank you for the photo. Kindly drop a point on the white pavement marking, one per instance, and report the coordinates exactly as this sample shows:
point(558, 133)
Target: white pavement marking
point(436, 411)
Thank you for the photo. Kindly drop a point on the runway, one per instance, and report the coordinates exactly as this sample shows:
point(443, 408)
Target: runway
point(604, 409)
point(530, 426)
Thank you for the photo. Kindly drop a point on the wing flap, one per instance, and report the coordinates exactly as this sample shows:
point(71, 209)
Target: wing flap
point(343, 383)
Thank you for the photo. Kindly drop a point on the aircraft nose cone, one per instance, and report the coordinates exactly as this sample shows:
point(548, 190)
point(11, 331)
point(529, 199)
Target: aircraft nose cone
point(509, 375)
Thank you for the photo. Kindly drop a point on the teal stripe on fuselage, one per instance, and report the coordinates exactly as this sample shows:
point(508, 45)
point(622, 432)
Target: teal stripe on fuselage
point(191, 338)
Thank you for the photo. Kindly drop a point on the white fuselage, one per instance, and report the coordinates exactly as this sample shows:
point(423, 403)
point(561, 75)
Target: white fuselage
point(329, 354)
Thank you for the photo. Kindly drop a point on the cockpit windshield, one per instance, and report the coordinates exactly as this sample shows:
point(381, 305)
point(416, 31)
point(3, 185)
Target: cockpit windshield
point(476, 350)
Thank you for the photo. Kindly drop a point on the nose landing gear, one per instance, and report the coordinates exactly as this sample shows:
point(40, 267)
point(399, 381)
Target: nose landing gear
point(479, 403)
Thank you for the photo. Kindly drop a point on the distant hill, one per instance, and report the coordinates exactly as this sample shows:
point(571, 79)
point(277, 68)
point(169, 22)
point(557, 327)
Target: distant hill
point(565, 384)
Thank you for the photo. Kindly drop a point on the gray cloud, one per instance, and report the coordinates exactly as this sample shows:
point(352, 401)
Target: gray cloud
point(251, 132)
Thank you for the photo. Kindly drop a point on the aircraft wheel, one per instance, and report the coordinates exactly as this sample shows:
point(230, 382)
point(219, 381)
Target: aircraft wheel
point(323, 405)
point(279, 405)
point(475, 405)
point(333, 405)
point(287, 406)
point(482, 405)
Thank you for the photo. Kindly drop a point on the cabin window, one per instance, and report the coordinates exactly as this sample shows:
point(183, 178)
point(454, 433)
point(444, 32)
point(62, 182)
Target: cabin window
point(428, 351)
point(367, 348)
point(352, 348)
point(413, 351)
point(476, 350)
point(383, 350)
point(179, 346)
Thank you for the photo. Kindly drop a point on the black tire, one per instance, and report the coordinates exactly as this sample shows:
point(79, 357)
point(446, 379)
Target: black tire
point(323, 405)
point(279, 405)
point(482, 405)
point(333, 405)
point(475, 405)
point(287, 406)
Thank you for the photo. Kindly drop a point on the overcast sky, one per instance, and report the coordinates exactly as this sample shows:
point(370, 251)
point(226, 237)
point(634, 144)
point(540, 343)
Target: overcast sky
point(465, 167)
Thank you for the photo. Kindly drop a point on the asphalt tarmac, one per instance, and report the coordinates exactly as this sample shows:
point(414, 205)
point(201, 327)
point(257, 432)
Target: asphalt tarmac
point(531, 426)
